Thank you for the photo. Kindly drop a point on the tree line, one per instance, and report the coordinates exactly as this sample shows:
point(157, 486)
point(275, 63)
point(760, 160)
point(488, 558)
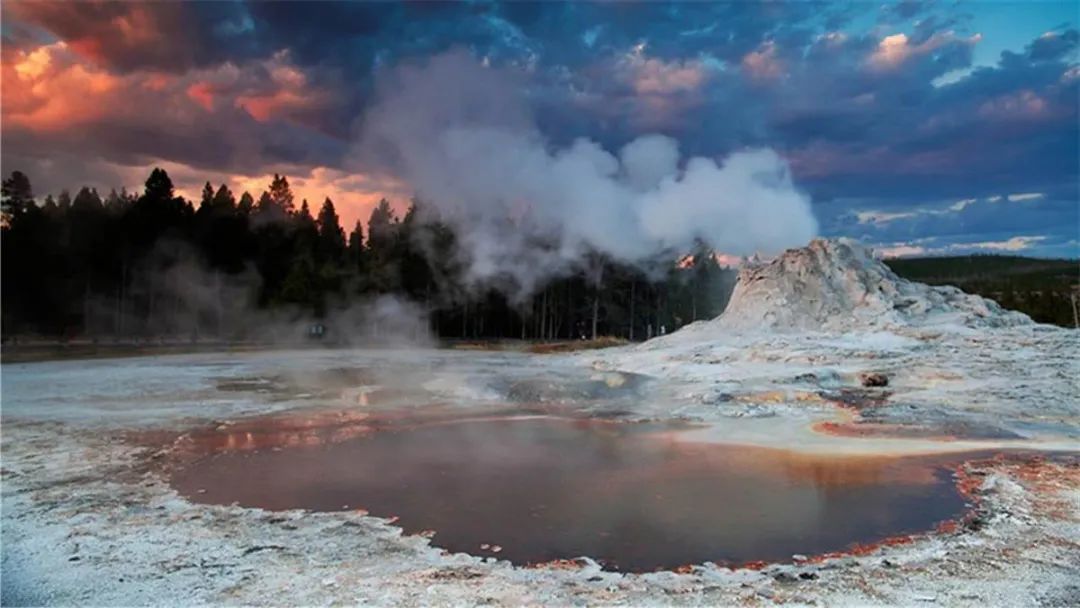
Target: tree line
point(154, 264)
point(1047, 290)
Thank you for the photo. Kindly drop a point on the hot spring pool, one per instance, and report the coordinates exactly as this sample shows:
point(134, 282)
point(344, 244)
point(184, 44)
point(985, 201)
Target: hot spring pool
point(635, 497)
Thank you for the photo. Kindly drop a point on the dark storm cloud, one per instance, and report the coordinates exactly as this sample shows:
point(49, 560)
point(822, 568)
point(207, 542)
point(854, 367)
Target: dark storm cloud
point(1053, 46)
point(130, 36)
point(906, 9)
point(866, 133)
point(869, 103)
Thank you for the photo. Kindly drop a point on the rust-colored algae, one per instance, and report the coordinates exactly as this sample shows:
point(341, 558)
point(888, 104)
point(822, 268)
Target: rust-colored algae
point(1042, 475)
point(558, 564)
point(873, 429)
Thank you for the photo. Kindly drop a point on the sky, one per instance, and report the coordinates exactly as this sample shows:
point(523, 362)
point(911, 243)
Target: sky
point(917, 127)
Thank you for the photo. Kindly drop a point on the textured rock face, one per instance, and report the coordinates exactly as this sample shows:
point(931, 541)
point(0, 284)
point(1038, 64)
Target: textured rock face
point(837, 285)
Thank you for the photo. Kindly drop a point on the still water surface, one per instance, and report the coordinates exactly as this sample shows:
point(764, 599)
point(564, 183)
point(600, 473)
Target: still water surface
point(631, 496)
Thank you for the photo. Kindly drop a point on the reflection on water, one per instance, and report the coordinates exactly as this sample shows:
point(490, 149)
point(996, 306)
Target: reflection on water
point(544, 488)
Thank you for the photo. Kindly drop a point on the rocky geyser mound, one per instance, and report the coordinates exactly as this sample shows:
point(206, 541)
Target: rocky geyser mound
point(838, 285)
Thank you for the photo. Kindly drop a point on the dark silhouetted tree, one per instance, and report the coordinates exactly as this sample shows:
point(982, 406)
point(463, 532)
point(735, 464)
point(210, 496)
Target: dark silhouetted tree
point(63, 201)
point(223, 198)
point(382, 248)
point(17, 195)
point(246, 204)
point(207, 199)
point(159, 187)
point(331, 236)
point(281, 194)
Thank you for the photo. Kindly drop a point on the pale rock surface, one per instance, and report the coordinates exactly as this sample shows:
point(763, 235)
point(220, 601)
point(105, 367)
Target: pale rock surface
point(839, 285)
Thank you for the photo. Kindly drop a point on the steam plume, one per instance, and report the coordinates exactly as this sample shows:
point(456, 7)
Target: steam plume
point(462, 136)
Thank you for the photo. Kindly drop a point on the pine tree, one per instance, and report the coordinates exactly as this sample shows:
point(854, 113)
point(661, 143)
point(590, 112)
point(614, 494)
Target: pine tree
point(304, 215)
point(87, 200)
point(159, 186)
point(268, 212)
point(114, 204)
point(207, 200)
point(281, 194)
point(331, 236)
point(382, 229)
point(246, 204)
point(382, 248)
point(223, 198)
point(356, 239)
point(307, 232)
point(17, 195)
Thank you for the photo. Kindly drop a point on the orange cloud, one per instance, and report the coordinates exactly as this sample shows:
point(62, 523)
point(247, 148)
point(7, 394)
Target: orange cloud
point(116, 34)
point(46, 89)
point(135, 29)
point(202, 93)
point(32, 65)
point(763, 64)
point(289, 91)
point(264, 107)
point(52, 87)
point(651, 76)
point(158, 82)
point(892, 51)
point(665, 88)
point(661, 78)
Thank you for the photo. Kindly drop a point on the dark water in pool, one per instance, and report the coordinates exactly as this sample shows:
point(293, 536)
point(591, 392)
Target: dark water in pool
point(627, 495)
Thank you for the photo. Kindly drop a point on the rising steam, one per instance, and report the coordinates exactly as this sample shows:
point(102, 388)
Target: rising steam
point(462, 136)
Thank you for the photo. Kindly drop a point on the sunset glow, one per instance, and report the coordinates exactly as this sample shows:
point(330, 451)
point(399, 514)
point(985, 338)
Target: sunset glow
point(98, 93)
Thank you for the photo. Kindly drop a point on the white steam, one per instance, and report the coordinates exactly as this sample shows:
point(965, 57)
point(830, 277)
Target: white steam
point(525, 211)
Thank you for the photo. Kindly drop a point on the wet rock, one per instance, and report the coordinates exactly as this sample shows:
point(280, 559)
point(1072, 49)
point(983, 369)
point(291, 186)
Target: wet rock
point(785, 576)
point(873, 379)
point(976, 523)
point(857, 398)
point(752, 411)
point(257, 548)
point(607, 385)
point(716, 398)
point(790, 574)
point(840, 563)
point(457, 573)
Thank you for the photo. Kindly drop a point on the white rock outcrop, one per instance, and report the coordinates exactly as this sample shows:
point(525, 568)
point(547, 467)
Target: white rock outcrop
point(838, 285)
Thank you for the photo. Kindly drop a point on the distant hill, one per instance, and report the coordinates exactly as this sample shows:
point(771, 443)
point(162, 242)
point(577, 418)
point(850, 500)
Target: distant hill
point(1040, 288)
